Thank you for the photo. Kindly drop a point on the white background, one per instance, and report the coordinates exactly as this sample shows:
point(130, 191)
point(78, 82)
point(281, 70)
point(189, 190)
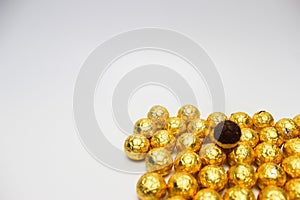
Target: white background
point(255, 46)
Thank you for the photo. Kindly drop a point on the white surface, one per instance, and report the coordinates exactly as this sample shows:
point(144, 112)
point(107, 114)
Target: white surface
point(254, 45)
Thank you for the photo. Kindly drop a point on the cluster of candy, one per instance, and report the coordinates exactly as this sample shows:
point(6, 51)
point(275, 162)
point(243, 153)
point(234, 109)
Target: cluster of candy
point(260, 153)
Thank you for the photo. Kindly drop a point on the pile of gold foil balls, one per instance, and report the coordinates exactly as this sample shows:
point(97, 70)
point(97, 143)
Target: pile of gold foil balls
point(258, 154)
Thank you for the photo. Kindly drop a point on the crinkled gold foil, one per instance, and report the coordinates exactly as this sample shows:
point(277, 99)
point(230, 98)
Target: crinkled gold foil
point(291, 166)
point(250, 136)
point(272, 193)
point(175, 126)
point(243, 153)
point(271, 134)
point(262, 119)
point(242, 119)
point(267, 152)
point(243, 175)
point(239, 193)
point(288, 128)
point(188, 113)
point(292, 147)
point(159, 160)
point(213, 177)
point(187, 161)
point(145, 127)
point(164, 139)
point(188, 141)
point(176, 198)
point(211, 154)
point(215, 118)
point(182, 184)
point(151, 186)
point(270, 174)
point(292, 187)
point(207, 194)
point(136, 147)
point(159, 115)
point(199, 127)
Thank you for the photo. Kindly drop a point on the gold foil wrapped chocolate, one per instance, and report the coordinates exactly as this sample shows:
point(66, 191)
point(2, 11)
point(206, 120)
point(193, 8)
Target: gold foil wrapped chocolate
point(288, 128)
point(176, 198)
point(182, 184)
point(272, 193)
point(297, 120)
point(215, 118)
point(159, 115)
point(207, 194)
point(243, 153)
point(242, 119)
point(159, 160)
point(151, 186)
point(292, 147)
point(243, 175)
point(270, 174)
point(164, 139)
point(213, 177)
point(292, 187)
point(199, 127)
point(262, 119)
point(271, 134)
point(239, 193)
point(188, 141)
point(136, 147)
point(175, 126)
point(187, 161)
point(188, 113)
point(291, 166)
point(250, 136)
point(267, 152)
point(145, 127)
point(211, 154)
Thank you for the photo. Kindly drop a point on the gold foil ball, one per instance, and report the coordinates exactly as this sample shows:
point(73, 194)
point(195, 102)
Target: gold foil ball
point(182, 184)
point(188, 141)
point(271, 134)
point(243, 175)
point(187, 161)
point(292, 187)
point(297, 120)
point(211, 154)
point(243, 153)
point(288, 128)
point(242, 119)
point(267, 152)
point(145, 127)
point(151, 186)
point(175, 126)
point(262, 119)
point(291, 166)
point(164, 139)
point(213, 177)
point(239, 193)
point(270, 174)
point(136, 147)
point(207, 194)
point(215, 118)
point(250, 136)
point(188, 113)
point(176, 198)
point(272, 193)
point(159, 160)
point(199, 127)
point(292, 147)
point(159, 115)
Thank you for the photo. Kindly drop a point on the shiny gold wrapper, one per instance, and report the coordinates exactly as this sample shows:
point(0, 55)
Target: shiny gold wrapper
point(151, 186)
point(159, 160)
point(215, 118)
point(239, 193)
point(159, 115)
point(272, 193)
point(211, 154)
point(145, 127)
point(292, 187)
point(242, 119)
point(187, 161)
point(199, 127)
point(136, 147)
point(213, 177)
point(188, 113)
point(175, 126)
point(243, 175)
point(271, 134)
point(250, 136)
point(188, 141)
point(291, 166)
point(262, 119)
point(207, 194)
point(267, 152)
point(164, 139)
point(297, 120)
point(270, 174)
point(288, 128)
point(292, 147)
point(243, 153)
point(176, 198)
point(182, 184)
